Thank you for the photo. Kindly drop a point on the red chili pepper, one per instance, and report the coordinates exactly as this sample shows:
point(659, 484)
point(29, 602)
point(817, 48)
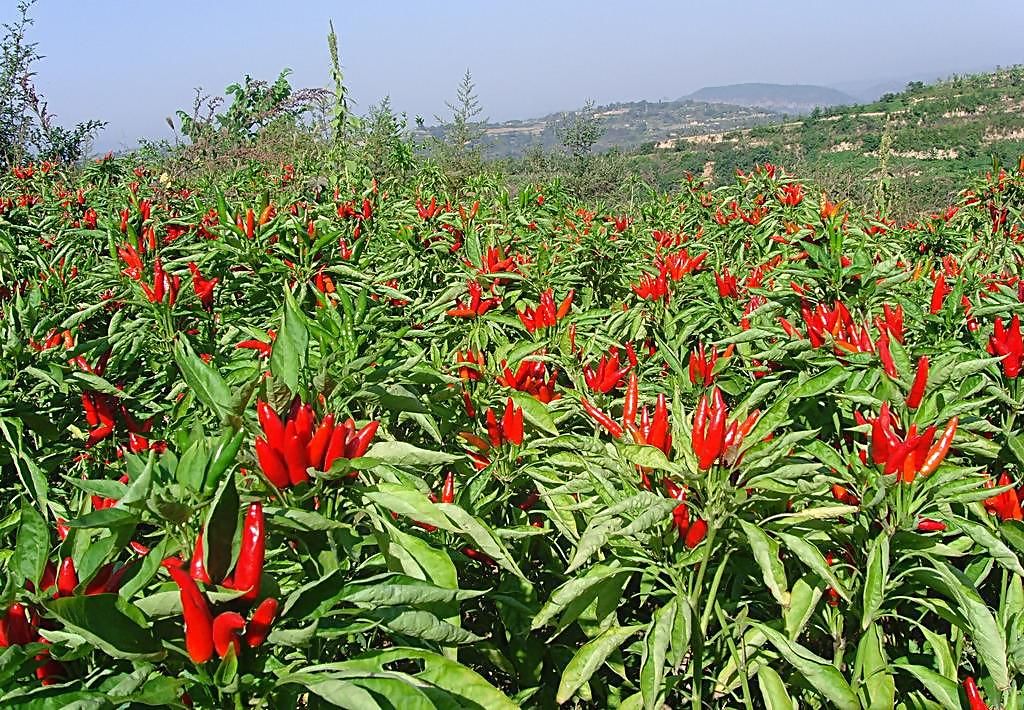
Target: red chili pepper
point(929, 525)
point(938, 451)
point(974, 700)
point(712, 431)
point(844, 496)
point(198, 621)
point(696, 534)
point(493, 428)
point(226, 628)
point(198, 568)
point(318, 444)
point(361, 441)
point(920, 381)
point(273, 427)
point(474, 554)
point(295, 457)
point(632, 398)
point(658, 435)
point(67, 578)
point(259, 625)
point(512, 423)
point(601, 418)
point(939, 292)
point(1008, 343)
point(565, 305)
point(448, 488)
point(249, 567)
point(339, 437)
point(885, 355)
point(16, 625)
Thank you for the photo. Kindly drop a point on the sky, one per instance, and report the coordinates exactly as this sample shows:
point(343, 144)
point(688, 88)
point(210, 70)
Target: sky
point(134, 62)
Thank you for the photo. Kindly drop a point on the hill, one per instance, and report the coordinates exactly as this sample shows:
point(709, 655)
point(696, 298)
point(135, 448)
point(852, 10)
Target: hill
point(780, 98)
point(624, 125)
point(921, 141)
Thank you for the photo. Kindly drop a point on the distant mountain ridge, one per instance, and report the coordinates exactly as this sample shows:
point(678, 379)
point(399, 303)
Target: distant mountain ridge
point(780, 98)
point(623, 125)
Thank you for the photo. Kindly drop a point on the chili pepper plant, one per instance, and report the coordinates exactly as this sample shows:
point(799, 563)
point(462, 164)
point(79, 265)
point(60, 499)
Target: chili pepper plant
point(293, 439)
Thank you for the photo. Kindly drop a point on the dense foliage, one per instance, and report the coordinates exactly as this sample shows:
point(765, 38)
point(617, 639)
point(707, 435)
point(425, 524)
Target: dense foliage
point(315, 440)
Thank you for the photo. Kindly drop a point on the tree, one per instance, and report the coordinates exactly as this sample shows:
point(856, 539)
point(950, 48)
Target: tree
point(579, 133)
point(27, 128)
point(459, 153)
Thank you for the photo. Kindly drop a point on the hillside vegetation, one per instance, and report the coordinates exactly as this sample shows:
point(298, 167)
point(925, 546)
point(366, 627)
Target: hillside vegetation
point(918, 144)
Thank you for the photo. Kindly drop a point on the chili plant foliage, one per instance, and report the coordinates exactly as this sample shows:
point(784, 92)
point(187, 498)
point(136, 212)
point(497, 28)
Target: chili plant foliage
point(372, 445)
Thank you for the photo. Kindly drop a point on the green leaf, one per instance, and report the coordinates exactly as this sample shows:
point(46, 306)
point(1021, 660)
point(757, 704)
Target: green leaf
point(589, 658)
point(482, 537)
point(572, 590)
point(421, 624)
point(812, 557)
point(410, 503)
point(406, 591)
point(995, 547)
point(342, 693)
point(773, 690)
point(646, 456)
point(399, 453)
point(32, 547)
point(202, 379)
point(877, 576)
point(192, 465)
point(988, 638)
point(945, 691)
point(819, 384)
point(219, 530)
point(316, 598)
point(105, 518)
point(535, 412)
point(101, 619)
point(819, 673)
point(288, 354)
point(652, 664)
point(873, 669)
point(766, 553)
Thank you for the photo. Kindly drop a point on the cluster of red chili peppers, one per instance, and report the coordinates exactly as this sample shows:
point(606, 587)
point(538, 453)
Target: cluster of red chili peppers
point(915, 454)
point(478, 305)
point(609, 373)
point(1005, 505)
point(546, 314)
point(712, 438)
point(531, 377)
point(101, 412)
point(206, 633)
point(1007, 343)
point(702, 364)
point(507, 430)
point(292, 446)
point(21, 624)
point(691, 532)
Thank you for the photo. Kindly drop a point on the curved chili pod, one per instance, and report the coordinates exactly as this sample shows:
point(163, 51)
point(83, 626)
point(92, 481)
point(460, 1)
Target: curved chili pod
point(198, 620)
point(226, 628)
point(259, 625)
point(249, 567)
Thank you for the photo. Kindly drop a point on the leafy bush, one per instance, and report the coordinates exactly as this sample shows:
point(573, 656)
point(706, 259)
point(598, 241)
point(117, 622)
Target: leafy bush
point(27, 129)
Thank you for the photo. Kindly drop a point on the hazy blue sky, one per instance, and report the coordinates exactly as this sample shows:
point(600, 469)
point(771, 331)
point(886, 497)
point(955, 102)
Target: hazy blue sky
point(133, 62)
